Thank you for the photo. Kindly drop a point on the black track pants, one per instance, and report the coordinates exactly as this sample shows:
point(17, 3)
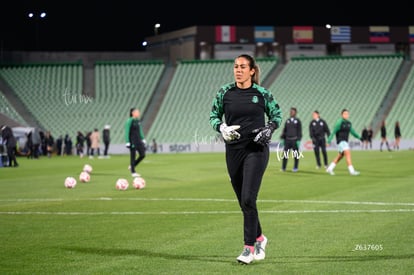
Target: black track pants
point(246, 167)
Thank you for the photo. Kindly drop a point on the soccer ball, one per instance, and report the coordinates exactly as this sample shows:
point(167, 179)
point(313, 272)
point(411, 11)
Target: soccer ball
point(84, 177)
point(122, 184)
point(70, 182)
point(87, 168)
point(138, 183)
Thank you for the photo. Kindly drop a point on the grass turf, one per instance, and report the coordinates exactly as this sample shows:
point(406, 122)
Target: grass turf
point(187, 221)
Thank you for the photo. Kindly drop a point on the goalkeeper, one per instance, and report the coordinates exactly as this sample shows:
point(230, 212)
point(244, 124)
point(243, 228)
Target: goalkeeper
point(135, 140)
point(245, 105)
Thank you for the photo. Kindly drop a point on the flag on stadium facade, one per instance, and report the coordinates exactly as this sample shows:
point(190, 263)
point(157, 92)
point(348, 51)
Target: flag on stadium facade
point(341, 34)
point(303, 34)
point(411, 33)
point(264, 34)
point(379, 34)
point(225, 33)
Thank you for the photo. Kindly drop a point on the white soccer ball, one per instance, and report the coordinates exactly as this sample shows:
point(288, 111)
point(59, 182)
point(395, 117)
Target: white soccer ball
point(87, 168)
point(122, 184)
point(70, 182)
point(138, 183)
point(84, 177)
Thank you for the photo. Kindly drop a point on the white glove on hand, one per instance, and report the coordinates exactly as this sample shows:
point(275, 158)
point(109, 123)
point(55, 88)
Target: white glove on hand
point(128, 145)
point(229, 133)
point(145, 142)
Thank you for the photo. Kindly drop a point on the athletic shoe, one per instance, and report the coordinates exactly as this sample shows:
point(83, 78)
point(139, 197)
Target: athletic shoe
point(355, 173)
point(135, 175)
point(330, 172)
point(294, 170)
point(259, 249)
point(246, 257)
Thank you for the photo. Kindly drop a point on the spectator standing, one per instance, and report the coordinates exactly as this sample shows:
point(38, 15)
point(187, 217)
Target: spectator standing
point(88, 143)
point(68, 145)
point(291, 137)
point(95, 143)
point(384, 139)
point(36, 140)
point(318, 129)
point(154, 146)
point(106, 134)
point(397, 135)
point(364, 138)
point(80, 143)
point(11, 145)
point(50, 142)
point(370, 135)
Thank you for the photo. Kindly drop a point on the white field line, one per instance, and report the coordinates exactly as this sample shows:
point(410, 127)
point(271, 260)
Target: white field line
point(213, 200)
point(202, 212)
point(211, 212)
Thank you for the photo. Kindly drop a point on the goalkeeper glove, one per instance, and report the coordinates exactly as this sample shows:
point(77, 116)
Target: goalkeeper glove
point(264, 134)
point(128, 145)
point(229, 133)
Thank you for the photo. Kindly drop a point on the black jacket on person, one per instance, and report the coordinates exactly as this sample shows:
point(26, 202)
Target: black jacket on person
point(318, 128)
point(106, 136)
point(292, 129)
point(8, 137)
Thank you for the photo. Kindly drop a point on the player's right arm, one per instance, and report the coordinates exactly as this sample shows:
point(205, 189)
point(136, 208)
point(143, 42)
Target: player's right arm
point(337, 127)
point(127, 129)
point(217, 110)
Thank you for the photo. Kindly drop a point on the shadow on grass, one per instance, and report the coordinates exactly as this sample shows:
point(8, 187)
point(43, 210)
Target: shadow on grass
point(356, 258)
point(148, 253)
point(232, 259)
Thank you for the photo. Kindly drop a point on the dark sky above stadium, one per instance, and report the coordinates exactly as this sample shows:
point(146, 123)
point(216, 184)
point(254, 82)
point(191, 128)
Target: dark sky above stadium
point(122, 25)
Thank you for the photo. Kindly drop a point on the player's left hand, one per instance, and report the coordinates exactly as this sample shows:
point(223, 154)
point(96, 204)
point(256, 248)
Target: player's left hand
point(264, 134)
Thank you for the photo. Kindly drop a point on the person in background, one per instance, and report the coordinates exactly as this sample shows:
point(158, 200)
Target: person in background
point(135, 140)
point(342, 129)
point(88, 143)
point(106, 135)
point(397, 135)
point(50, 142)
point(244, 105)
point(59, 145)
point(27, 149)
point(318, 129)
point(291, 137)
point(154, 146)
point(11, 145)
point(370, 135)
point(80, 143)
point(384, 139)
point(68, 145)
point(95, 139)
point(364, 138)
point(36, 141)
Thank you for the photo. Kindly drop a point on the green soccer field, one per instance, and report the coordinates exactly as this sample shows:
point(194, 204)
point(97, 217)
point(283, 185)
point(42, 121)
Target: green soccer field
point(187, 221)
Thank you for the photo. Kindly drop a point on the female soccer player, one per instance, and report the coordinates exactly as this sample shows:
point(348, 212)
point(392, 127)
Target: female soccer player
point(341, 130)
point(244, 104)
point(397, 135)
point(135, 141)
